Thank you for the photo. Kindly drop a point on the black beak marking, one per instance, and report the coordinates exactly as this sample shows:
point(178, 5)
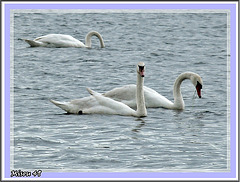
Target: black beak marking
point(141, 68)
point(198, 88)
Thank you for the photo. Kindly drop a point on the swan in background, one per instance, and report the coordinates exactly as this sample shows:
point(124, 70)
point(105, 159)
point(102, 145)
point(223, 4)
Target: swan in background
point(126, 94)
point(99, 104)
point(61, 40)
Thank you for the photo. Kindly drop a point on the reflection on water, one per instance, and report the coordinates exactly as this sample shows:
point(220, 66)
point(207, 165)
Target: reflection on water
point(139, 126)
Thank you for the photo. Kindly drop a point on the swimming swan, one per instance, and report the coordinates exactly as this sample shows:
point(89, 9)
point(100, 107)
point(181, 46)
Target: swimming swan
point(99, 104)
point(126, 94)
point(61, 40)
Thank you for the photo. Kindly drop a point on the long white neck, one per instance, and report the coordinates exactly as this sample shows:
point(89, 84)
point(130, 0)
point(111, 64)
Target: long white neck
point(141, 108)
point(178, 99)
point(88, 37)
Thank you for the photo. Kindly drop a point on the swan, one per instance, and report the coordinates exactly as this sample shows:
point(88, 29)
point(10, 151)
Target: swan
point(126, 94)
point(61, 40)
point(99, 104)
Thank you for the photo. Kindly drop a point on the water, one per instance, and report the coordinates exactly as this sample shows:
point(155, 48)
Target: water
point(166, 140)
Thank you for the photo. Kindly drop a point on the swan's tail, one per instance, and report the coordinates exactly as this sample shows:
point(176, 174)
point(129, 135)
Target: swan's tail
point(63, 105)
point(32, 43)
point(92, 92)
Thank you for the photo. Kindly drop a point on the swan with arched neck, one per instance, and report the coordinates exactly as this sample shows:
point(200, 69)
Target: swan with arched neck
point(62, 40)
point(126, 94)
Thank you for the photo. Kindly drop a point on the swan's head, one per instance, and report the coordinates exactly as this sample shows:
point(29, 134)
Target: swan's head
point(141, 68)
point(197, 82)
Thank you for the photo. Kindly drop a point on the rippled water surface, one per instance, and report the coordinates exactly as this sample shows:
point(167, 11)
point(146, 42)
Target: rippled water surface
point(169, 43)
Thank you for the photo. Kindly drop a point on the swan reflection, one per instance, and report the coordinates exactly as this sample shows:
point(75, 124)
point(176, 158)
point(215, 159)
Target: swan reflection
point(139, 126)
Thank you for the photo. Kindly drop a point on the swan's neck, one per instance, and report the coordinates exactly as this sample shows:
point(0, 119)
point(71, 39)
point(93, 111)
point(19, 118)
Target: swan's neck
point(141, 108)
point(88, 40)
point(178, 99)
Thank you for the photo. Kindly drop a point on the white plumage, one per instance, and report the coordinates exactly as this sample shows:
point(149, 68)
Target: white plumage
point(61, 40)
point(99, 104)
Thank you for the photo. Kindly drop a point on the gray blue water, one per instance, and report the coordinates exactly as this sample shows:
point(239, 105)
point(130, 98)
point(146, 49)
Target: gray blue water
point(44, 137)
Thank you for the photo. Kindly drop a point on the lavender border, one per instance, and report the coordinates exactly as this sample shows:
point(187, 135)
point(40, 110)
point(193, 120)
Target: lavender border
point(231, 7)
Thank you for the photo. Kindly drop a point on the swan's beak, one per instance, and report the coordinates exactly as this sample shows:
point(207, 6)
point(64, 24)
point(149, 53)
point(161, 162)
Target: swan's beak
point(141, 71)
point(198, 88)
point(199, 93)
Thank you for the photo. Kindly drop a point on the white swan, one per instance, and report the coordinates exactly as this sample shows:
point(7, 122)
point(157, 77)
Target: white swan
point(99, 104)
point(126, 94)
point(61, 40)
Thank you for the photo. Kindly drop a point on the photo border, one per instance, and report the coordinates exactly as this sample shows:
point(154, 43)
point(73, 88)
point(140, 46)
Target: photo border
point(232, 6)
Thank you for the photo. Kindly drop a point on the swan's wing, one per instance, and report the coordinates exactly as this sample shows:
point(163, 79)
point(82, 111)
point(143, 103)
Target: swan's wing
point(95, 104)
point(55, 37)
point(149, 90)
point(33, 43)
point(78, 105)
point(125, 94)
point(154, 99)
point(59, 40)
point(109, 106)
